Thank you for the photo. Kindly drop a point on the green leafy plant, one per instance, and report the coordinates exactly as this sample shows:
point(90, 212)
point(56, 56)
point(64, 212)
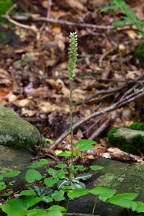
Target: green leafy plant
point(85, 144)
point(24, 59)
point(56, 188)
point(71, 74)
point(129, 15)
point(4, 6)
point(64, 180)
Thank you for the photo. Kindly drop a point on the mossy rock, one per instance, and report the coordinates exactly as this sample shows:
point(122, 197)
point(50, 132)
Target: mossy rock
point(127, 139)
point(116, 175)
point(16, 132)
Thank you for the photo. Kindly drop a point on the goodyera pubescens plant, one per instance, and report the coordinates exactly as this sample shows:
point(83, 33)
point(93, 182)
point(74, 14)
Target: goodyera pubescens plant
point(72, 64)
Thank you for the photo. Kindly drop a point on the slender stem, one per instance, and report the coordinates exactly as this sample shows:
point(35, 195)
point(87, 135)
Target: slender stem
point(71, 73)
point(71, 127)
point(71, 113)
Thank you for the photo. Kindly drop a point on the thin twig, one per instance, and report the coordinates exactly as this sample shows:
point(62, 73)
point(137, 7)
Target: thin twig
point(101, 92)
point(59, 21)
point(49, 8)
point(6, 16)
point(116, 105)
point(104, 55)
point(102, 127)
point(11, 9)
point(111, 91)
point(86, 132)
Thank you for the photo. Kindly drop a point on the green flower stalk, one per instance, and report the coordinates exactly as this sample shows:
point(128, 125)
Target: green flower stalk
point(72, 64)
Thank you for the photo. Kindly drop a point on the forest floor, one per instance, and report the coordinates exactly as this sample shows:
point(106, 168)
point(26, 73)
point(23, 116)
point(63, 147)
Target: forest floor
point(33, 70)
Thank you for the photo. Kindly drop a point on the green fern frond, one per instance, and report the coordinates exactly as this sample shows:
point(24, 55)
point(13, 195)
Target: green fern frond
point(130, 16)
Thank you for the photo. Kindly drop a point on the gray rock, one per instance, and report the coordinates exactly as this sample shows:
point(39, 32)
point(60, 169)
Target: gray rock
point(116, 175)
point(16, 132)
point(127, 133)
point(11, 159)
point(128, 140)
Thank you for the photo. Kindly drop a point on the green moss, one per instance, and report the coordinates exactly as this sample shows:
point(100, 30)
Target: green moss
point(16, 132)
point(137, 126)
point(115, 140)
point(139, 51)
point(134, 145)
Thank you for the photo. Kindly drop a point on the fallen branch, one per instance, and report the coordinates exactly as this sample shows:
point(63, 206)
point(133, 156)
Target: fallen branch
point(101, 92)
point(116, 105)
point(33, 28)
point(57, 21)
point(137, 80)
point(102, 127)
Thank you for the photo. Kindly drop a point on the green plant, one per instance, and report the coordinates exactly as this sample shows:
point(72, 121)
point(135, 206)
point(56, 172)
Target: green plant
point(129, 15)
point(24, 59)
point(139, 51)
point(4, 6)
point(52, 190)
point(72, 63)
point(63, 181)
point(137, 126)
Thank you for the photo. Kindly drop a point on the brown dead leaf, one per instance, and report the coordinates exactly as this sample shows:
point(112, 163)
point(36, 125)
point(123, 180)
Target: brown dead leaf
point(60, 41)
point(132, 34)
point(71, 4)
point(23, 102)
point(97, 2)
point(78, 94)
point(45, 106)
point(40, 92)
point(28, 112)
point(79, 135)
point(139, 10)
point(6, 84)
point(132, 74)
point(56, 29)
point(12, 97)
point(98, 150)
point(45, 4)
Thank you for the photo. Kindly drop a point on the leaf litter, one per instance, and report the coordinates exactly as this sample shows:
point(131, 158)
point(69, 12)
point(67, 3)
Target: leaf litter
point(33, 75)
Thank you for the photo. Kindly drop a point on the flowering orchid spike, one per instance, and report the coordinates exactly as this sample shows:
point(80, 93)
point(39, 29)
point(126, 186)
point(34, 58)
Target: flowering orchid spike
point(72, 63)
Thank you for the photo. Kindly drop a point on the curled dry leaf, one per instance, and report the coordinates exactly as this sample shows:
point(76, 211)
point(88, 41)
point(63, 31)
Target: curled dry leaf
point(59, 86)
point(6, 84)
point(28, 112)
point(45, 106)
point(98, 150)
point(132, 74)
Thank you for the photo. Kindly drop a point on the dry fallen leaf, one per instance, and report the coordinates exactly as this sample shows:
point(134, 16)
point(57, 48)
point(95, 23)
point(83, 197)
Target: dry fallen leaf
point(98, 150)
point(72, 4)
point(45, 106)
point(6, 84)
